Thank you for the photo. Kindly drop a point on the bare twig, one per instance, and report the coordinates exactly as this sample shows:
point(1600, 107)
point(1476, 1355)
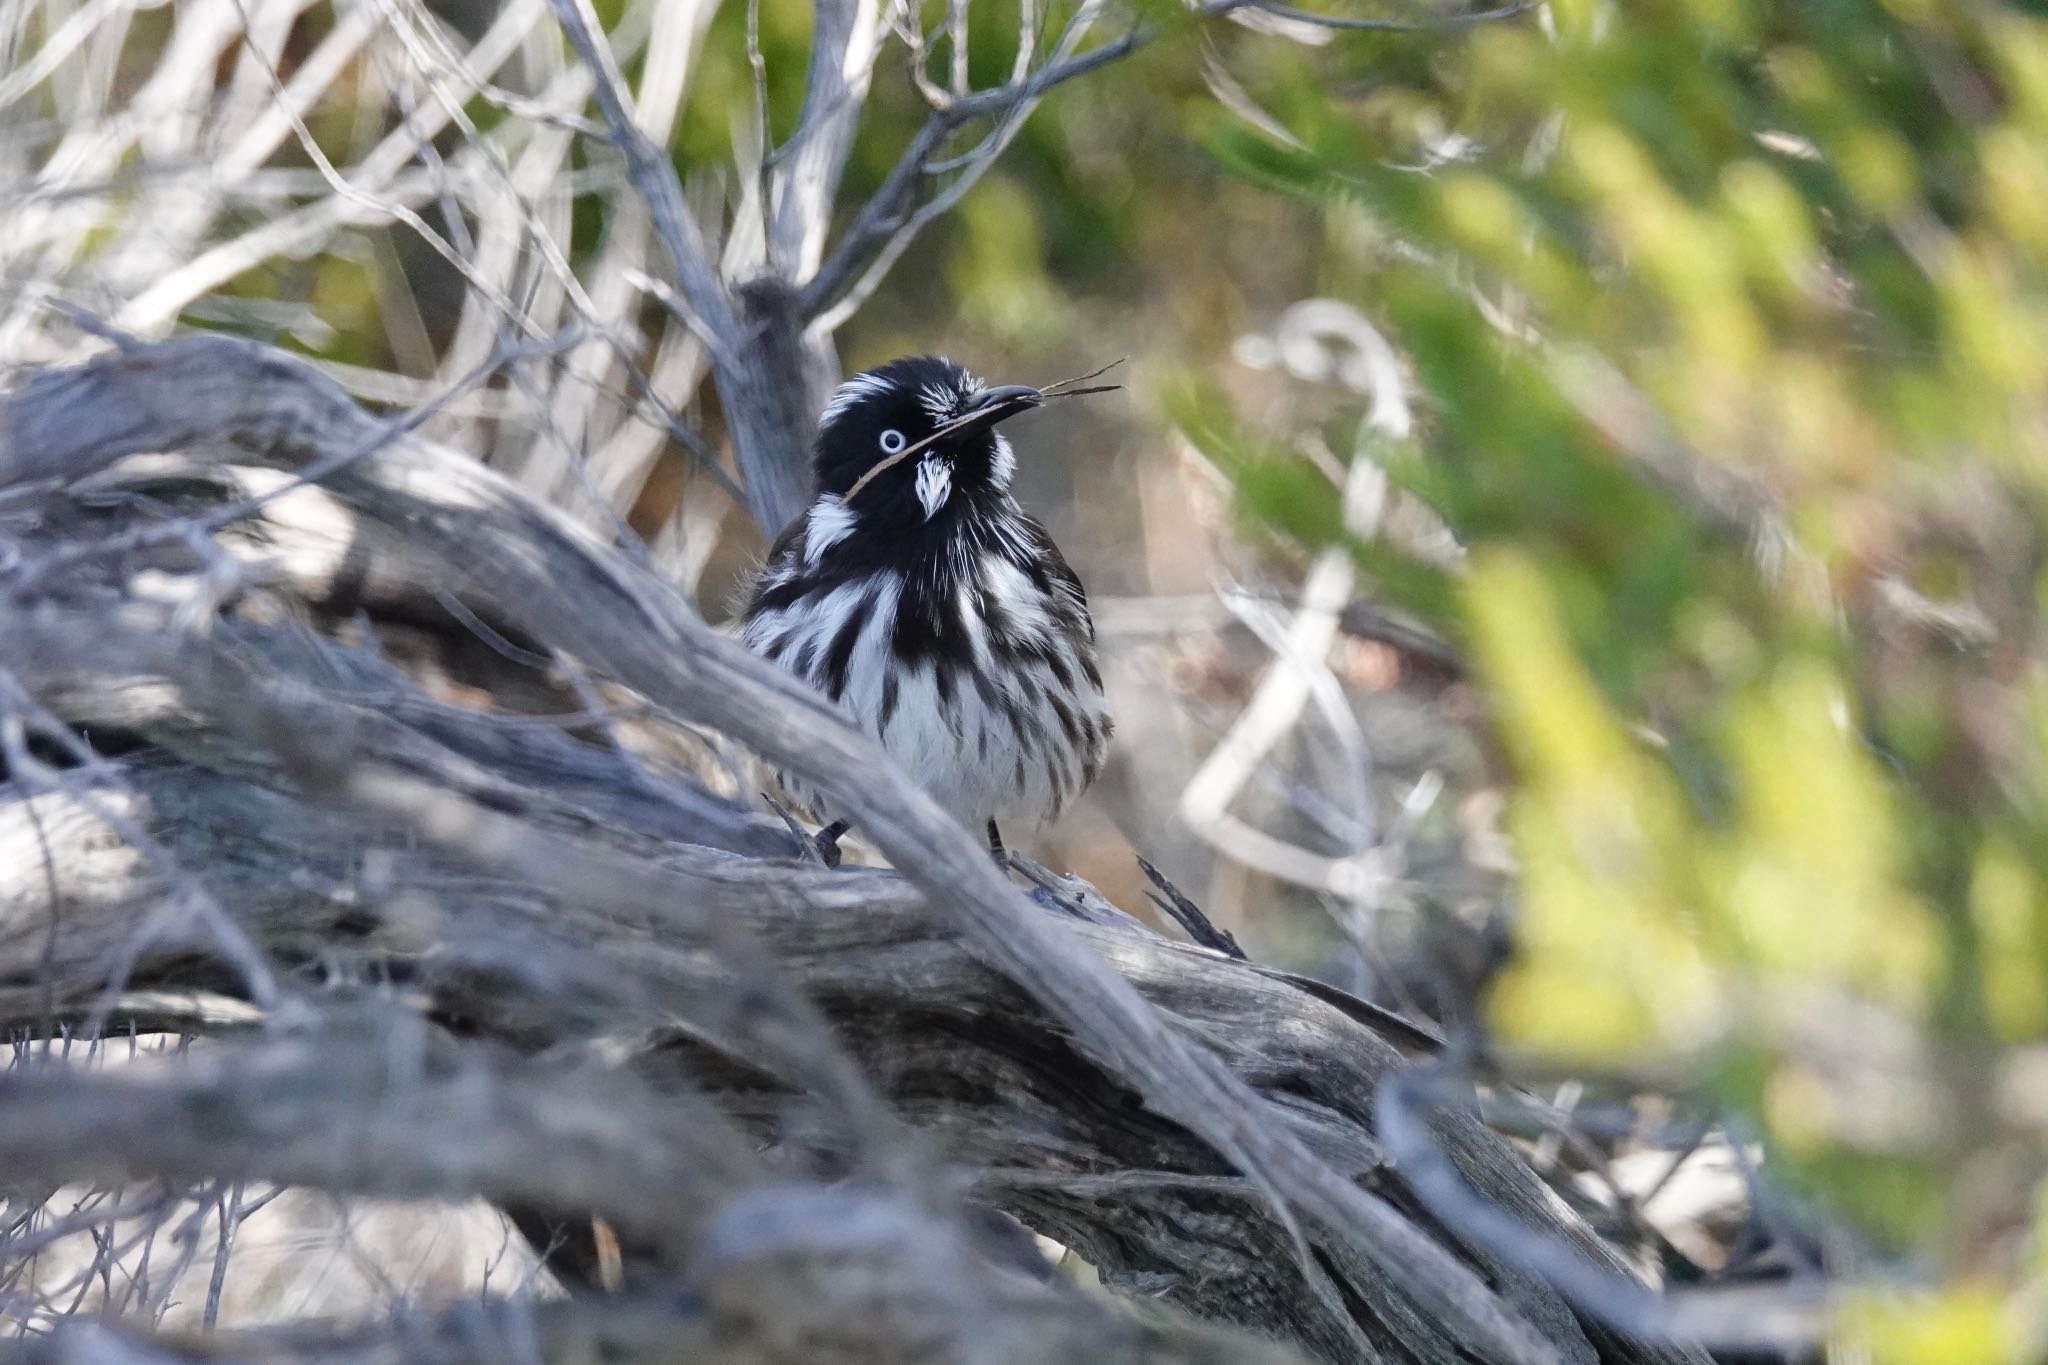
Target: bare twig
point(1373, 24)
point(1188, 915)
point(804, 172)
point(1302, 652)
point(654, 179)
point(1735, 1319)
point(891, 217)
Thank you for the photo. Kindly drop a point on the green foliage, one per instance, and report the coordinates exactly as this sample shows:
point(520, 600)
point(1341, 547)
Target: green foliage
point(1731, 320)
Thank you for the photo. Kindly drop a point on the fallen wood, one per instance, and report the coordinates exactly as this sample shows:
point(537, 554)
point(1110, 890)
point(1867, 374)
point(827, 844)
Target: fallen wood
point(291, 810)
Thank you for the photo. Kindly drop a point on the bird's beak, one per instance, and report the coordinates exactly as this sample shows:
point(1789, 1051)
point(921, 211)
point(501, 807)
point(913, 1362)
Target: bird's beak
point(1004, 400)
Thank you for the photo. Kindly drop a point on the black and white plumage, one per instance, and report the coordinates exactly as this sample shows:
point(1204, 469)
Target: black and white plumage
point(917, 594)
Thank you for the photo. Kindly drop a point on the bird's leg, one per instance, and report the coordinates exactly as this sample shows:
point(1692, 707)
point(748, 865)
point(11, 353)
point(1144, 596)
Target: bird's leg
point(826, 841)
point(995, 845)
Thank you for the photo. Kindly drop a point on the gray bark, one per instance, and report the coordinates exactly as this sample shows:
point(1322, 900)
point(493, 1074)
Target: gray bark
point(543, 903)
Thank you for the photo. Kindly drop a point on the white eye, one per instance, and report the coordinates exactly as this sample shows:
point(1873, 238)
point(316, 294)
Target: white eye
point(892, 441)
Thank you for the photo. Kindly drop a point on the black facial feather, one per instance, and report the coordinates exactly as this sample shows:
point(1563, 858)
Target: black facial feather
point(912, 398)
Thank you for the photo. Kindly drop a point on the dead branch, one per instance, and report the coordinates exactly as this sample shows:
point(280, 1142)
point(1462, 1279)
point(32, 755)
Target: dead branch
point(1200, 1129)
point(856, 1321)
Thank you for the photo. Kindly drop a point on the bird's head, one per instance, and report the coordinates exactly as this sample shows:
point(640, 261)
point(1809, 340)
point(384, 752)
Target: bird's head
point(915, 441)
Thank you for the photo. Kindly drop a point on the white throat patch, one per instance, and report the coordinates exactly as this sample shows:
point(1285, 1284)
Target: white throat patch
point(934, 483)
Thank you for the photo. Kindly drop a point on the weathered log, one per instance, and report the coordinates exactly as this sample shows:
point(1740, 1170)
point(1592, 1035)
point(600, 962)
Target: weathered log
point(1198, 1127)
point(863, 1322)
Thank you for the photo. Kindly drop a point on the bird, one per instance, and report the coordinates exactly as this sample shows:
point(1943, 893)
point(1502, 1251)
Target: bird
point(916, 594)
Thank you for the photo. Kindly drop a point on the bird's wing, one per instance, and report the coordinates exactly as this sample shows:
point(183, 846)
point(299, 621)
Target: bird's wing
point(1060, 579)
point(780, 563)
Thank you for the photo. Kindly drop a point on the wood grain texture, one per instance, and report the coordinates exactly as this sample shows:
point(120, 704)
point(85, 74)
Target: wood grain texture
point(1198, 1127)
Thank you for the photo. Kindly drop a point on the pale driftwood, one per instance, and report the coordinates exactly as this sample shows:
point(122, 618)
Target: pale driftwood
point(742, 1324)
point(1152, 1105)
